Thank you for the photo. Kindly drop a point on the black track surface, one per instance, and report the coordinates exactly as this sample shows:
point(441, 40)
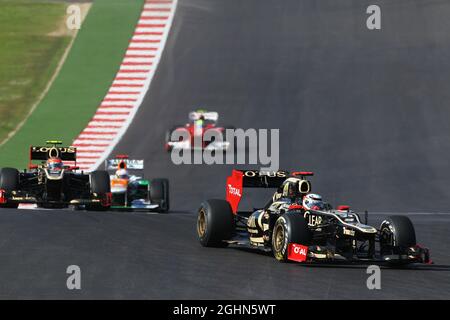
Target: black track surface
point(366, 110)
point(138, 256)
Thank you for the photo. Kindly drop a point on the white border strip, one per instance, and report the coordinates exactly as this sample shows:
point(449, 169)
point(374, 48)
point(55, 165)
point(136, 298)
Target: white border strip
point(127, 92)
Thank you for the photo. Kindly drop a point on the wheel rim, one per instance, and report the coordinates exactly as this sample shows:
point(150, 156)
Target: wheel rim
point(279, 238)
point(201, 223)
point(387, 237)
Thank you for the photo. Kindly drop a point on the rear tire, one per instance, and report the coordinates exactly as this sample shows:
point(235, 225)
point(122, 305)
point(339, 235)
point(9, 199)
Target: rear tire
point(224, 135)
point(215, 223)
point(159, 194)
point(9, 181)
point(100, 182)
point(289, 228)
point(167, 140)
point(101, 185)
point(168, 137)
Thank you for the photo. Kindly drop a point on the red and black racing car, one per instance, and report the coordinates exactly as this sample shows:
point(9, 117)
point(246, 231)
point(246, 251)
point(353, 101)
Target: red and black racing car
point(54, 182)
point(298, 225)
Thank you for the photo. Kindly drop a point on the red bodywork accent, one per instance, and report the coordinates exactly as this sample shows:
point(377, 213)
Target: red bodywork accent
point(234, 189)
point(343, 208)
point(302, 173)
point(297, 252)
point(3, 199)
point(295, 207)
point(195, 134)
point(107, 200)
point(122, 156)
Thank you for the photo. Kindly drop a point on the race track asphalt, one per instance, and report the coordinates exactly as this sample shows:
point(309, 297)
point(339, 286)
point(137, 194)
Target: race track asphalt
point(141, 256)
point(367, 111)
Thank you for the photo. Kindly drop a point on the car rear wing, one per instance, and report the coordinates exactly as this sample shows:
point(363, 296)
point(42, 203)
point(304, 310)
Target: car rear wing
point(240, 179)
point(258, 179)
point(42, 153)
point(113, 164)
point(209, 115)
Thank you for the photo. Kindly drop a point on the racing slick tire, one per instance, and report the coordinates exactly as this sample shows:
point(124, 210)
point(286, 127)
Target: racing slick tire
point(159, 194)
point(101, 185)
point(396, 235)
point(289, 228)
point(9, 181)
point(224, 136)
point(215, 223)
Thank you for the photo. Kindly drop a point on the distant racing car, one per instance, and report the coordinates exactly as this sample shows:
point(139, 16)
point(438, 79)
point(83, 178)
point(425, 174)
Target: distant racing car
point(193, 133)
point(133, 192)
point(297, 225)
point(53, 183)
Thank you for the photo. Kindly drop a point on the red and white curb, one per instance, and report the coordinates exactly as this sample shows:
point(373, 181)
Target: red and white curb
point(132, 81)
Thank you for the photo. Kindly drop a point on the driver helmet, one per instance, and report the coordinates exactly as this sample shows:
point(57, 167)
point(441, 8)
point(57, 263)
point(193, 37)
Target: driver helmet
point(199, 123)
point(200, 120)
point(54, 164)
point(122, 174)
point(313, 201)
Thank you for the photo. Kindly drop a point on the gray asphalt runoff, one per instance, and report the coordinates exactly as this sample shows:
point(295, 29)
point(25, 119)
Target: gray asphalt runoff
point(367, 111)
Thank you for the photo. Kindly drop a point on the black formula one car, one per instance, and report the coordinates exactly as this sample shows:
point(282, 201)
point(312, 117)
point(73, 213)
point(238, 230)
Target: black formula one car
point(52, 183)
point(291, 230)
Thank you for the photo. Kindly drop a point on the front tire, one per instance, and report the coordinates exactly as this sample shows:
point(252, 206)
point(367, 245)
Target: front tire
point(215, 223)
point(100, 184)
point(289, 228)
point(397, 234)
point(159, 194)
